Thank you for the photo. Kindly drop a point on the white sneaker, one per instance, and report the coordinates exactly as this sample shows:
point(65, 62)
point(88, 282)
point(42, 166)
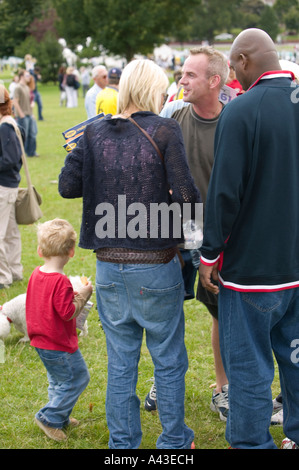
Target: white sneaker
point(219, 403)
point(277, 418)
point(277, 405)
point(288, 444)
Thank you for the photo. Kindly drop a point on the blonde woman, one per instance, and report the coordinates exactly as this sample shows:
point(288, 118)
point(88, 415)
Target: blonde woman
point(139, 284)
point(71, 87)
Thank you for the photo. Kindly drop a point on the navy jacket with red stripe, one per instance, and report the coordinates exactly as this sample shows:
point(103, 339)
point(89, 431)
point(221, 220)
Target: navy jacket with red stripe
point(252, 210)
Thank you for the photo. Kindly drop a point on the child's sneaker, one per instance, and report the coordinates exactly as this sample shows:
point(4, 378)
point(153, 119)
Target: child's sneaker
point(219, 403)
point(52, 433)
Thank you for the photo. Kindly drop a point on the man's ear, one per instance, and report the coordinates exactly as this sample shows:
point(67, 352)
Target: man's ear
point(244, 61)
point(214, 81)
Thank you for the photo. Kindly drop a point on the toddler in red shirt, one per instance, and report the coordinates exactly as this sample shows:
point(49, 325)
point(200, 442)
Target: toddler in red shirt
point(51, 310)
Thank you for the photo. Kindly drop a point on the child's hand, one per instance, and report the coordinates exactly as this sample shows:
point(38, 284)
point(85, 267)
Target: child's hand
point(86, 290)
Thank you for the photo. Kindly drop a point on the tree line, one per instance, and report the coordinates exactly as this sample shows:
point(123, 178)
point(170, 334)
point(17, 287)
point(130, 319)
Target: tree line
point(128, 27)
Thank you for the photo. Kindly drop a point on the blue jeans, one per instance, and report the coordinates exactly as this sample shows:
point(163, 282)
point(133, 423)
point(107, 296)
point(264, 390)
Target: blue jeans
point(38, 101)
point(132, 298)
point(29, 125)
point(252, 326)
point(68, 377)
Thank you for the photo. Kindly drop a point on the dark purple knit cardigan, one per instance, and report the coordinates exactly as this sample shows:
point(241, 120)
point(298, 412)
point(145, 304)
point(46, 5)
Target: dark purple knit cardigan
point(113, 158)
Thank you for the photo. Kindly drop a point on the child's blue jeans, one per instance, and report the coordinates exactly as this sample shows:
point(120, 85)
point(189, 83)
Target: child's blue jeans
point(68, 377)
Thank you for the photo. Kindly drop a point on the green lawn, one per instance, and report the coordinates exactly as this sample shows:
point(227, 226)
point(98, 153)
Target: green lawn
point(23, 383)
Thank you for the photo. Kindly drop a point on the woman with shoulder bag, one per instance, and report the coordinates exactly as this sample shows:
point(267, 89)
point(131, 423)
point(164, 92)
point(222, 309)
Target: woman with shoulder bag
point(10, 165)
point(117, 170)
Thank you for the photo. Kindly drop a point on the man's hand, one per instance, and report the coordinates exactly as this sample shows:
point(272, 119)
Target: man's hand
point(206, 274)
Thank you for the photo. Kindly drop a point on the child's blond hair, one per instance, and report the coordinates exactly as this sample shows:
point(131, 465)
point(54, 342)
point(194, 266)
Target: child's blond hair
point(56, 237)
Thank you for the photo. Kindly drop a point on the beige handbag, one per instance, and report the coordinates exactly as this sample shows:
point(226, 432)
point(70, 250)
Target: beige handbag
point(29, 200)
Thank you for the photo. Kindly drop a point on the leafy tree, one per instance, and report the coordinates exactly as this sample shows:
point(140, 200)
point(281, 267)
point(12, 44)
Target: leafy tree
point(73, 23)
point(256, 14)
point(46, 23)
point(269, 22)
point(43, 45)
point(16, 17)
point(281, 7)
point(48, 54)
point(123, 27)
point(211, 17)
point(292, 19)
point(250, 13)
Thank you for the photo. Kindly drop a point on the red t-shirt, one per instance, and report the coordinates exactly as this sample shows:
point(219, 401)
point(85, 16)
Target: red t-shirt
point(235, 84)
point(49, 307)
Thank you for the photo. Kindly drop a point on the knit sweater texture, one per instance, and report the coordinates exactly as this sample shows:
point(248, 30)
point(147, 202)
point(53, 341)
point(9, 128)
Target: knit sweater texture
point(112, 159)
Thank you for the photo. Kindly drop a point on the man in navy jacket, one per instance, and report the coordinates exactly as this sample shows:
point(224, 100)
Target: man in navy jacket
point(251, 241)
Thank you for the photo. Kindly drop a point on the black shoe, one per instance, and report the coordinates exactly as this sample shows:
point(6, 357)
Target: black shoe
point(150, 403)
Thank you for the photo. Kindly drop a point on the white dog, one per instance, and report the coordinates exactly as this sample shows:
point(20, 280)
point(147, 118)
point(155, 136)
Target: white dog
point(14, 311)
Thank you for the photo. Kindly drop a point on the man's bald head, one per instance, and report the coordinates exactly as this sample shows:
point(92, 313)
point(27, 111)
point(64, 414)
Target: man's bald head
point(253, 53)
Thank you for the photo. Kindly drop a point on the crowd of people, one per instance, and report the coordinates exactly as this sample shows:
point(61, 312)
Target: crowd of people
point(240, 160)
point(99, 97)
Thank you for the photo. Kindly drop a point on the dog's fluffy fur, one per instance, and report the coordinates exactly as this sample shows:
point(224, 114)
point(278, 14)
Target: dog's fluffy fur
point(15, 310)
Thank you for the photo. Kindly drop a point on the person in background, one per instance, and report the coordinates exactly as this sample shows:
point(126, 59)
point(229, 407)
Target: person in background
point(29, 62)
point(251, 240)
point(204, 73)
point(85, 80)
point(13, 85)
point(172, 90)
point(99, 75)
point(71, 85)
point(37, 97)
point(106, 101)
point(139, 284)
point(51, 311)
point(23, 112)
point(232, 81)
point(11, 268)
point(61, 84)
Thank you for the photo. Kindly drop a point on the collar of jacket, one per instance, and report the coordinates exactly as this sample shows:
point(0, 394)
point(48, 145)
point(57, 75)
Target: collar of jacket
point(274, 74)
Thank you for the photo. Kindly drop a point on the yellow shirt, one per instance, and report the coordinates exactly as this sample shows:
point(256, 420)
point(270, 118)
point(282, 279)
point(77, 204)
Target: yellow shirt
point(179, 94)
point(106, 101)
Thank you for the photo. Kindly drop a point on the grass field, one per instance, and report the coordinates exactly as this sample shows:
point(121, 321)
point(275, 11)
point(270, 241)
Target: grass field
point(23, 383)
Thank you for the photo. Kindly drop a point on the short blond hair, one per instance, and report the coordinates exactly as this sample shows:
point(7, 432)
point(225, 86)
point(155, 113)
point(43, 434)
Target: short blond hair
point(142, 83)
point(218, 63)
point(56, 237)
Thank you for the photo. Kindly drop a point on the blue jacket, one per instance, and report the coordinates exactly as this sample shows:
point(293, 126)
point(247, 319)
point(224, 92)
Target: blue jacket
point(252, 211)
point(10, 156)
